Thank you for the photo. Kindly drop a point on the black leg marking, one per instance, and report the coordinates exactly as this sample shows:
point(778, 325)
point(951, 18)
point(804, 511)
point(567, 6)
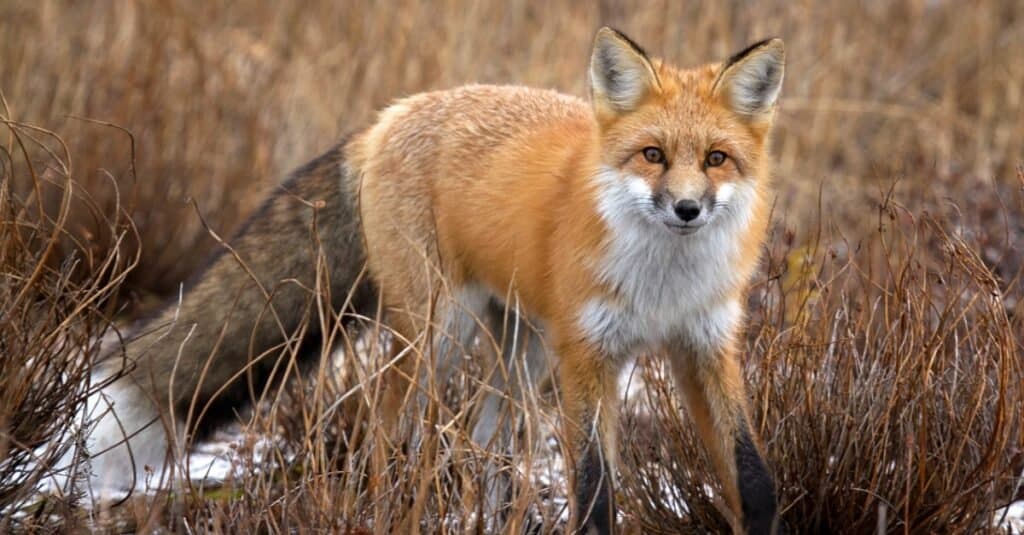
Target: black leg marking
point(595, 499)
point(756, 486)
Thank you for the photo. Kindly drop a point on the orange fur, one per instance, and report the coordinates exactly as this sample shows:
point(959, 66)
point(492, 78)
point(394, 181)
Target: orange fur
point(630, 223)
point(494, 188)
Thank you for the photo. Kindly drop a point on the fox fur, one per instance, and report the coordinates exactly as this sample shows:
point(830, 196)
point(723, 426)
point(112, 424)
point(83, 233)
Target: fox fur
point(629, 223)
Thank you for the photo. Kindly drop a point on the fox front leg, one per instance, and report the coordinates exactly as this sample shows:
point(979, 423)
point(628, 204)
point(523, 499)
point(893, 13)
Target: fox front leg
point(712, 386)
point(589, 394)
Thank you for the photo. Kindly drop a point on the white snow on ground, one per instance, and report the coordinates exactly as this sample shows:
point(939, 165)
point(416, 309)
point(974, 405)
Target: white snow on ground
point(212, 462)
point(1011, 518)
point(219, 459)
point(225, 455)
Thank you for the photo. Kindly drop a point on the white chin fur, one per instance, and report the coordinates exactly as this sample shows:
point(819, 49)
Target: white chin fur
point(125, 445)
point(669, 288)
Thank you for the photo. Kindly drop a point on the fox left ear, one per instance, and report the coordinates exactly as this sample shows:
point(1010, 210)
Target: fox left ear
point(750, 81)
point(621, 75)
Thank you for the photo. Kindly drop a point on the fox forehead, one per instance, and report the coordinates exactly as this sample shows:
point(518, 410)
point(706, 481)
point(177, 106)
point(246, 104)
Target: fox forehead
point(684, 117)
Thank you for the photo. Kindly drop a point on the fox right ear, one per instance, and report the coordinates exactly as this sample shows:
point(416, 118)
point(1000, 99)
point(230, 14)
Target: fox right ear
point(621, 75)
point(750, 81)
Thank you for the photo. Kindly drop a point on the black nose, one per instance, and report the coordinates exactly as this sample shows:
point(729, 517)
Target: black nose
point(687, 209)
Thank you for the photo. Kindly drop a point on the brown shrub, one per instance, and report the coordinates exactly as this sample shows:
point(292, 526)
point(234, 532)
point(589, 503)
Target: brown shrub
point(55, 290)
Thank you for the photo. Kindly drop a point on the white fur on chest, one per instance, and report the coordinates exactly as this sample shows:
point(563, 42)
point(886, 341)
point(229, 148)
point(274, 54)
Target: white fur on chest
point(666, 286)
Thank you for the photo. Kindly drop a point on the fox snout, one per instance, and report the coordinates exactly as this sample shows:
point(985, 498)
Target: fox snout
point(687, 199)
point(687, 213)
point(687, 210)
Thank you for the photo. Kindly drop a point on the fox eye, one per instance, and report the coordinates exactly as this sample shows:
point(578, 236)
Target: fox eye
point(715, 158)
point(654, 155)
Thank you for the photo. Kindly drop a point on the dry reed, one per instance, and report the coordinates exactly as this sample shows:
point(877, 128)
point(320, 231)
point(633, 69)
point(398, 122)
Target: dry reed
point(884, 345)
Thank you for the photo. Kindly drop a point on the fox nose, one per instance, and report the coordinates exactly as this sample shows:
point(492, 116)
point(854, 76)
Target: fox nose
point(687, 209)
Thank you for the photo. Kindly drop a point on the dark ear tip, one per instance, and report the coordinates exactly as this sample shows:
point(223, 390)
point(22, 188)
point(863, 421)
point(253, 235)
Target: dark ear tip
point(607, 34)
point(773, 45)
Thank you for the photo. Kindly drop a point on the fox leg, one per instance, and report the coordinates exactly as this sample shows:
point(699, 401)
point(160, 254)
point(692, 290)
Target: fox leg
point(458, 320)
point(588, 382)
point(519, 364)
point(522, 363)
point(395, 383)
point(430, 336)
point(451, 323)
point(712, 386)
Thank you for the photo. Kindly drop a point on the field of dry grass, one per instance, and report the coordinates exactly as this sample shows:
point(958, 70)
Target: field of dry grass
point(885, 355)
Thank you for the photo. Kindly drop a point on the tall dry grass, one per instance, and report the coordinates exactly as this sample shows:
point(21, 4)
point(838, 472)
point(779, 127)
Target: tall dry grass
point(885, 340)
point(57, 295)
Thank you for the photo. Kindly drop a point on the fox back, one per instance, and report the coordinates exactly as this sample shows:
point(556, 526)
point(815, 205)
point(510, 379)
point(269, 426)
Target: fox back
point(628, 223)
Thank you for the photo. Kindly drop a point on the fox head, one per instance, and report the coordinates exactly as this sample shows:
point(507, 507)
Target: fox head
point(682, 148)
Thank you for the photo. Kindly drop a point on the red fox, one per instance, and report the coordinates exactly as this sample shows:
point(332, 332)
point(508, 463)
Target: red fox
point(630, 223)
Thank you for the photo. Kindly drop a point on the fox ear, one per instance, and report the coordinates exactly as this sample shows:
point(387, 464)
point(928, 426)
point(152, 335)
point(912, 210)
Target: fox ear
point(621, 75)
point(750, 81)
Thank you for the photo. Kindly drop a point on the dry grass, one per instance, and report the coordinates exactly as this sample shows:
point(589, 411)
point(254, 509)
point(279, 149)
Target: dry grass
point(56, 298)
point(885, 357)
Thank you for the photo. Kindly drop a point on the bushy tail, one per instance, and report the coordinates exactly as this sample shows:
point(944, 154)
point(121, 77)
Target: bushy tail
point(205, 356)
